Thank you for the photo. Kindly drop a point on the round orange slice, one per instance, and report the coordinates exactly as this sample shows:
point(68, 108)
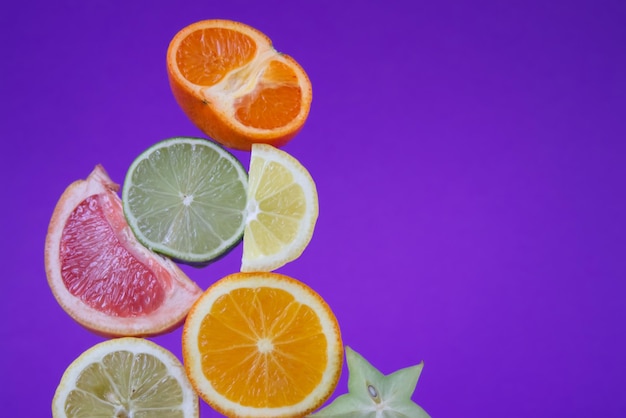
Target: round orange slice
point(262, 345)
point(235, 87)
point(101, 275)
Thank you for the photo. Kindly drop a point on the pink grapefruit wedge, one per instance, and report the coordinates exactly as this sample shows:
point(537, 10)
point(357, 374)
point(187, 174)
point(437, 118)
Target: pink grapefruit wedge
point(101, 275)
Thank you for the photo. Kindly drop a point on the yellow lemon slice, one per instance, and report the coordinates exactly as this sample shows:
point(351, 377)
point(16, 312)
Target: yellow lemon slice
point(282, 209)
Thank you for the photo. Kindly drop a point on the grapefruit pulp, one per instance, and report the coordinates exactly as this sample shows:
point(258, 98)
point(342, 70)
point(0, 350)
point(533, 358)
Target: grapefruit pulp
point(101, 275)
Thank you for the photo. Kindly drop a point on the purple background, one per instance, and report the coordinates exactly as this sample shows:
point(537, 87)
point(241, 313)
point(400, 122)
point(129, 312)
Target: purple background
point(470, 160)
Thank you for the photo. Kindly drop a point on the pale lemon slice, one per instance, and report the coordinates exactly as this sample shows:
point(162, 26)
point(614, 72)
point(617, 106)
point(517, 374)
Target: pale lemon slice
point(125, 377)
point(282, 209)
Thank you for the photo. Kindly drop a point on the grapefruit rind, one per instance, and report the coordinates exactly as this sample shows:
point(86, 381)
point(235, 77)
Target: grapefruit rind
point(181, 290)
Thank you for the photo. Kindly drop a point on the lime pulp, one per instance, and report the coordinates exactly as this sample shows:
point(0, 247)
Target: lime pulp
point(186, 199)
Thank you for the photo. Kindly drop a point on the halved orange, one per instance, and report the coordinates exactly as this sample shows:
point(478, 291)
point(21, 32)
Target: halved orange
point(235, 87)
point(101, 275)
point(262, 345)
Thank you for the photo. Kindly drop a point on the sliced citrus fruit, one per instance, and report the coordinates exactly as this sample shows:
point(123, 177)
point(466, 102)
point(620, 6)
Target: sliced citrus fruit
point(234, 86)
point(186, 198)
point(282, 210)
point(262, 345)
point(125, 377)
point(101, 275)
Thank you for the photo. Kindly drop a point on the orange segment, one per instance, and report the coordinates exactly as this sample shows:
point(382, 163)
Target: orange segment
point(276, 100)
point(259, 339)
point(235, 87)
point(262, 344)
point(206, 56)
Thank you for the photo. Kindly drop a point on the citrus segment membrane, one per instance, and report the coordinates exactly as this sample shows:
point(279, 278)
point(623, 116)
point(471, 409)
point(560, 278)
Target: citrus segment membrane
point(282, 210)
point(262, 344)
point(101, 275)
point(125, 377)
point(234, 86)
point(186, 198)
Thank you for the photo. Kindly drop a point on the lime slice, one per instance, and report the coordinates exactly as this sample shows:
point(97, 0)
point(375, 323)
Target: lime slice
point(125, 377)
point(186, 198)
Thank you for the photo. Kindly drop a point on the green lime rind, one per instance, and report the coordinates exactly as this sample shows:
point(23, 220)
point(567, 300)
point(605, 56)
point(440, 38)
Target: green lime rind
point(186, 198)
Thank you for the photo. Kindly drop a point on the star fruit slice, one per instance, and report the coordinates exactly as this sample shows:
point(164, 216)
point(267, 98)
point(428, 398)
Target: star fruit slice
point(374, 395)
